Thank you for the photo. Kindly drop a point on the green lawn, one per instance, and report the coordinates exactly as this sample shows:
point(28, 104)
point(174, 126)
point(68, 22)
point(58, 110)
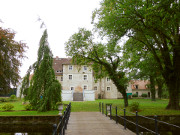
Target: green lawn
point(147, 107)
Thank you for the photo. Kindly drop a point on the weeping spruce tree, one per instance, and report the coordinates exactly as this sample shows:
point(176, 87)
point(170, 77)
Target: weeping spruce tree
point(44, 90)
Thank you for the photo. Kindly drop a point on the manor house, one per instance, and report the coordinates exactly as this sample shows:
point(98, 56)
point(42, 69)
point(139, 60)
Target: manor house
point(78, 82)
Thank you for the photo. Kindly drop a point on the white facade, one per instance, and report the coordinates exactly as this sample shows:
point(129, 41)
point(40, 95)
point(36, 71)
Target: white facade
point(77, 78)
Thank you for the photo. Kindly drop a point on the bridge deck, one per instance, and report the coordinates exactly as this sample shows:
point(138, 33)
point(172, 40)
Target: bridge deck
point(94, 123)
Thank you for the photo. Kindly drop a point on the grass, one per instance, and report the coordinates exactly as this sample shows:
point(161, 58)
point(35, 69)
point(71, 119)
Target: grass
point(19, 110)
point(147, 107)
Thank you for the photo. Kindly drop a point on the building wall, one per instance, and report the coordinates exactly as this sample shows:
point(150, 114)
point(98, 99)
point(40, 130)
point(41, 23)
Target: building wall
point(104, 87)
point(143, 91)
point(77, 81)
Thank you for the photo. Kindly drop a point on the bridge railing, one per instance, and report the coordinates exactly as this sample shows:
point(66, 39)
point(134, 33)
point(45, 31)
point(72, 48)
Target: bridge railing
point(62, 125)
point(136, 123)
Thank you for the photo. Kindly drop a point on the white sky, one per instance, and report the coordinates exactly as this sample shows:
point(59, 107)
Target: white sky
point(62, 19)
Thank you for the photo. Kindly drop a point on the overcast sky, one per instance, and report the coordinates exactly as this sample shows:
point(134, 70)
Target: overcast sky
point(62, 19)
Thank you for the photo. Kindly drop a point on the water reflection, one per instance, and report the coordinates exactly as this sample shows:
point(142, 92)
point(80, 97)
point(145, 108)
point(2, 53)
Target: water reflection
point(21, 134)
point(26, 133)
point(33, 129)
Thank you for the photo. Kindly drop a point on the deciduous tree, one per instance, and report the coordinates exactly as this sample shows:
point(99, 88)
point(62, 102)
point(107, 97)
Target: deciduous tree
point(156, 24)
point(11, 54)
point(104, 58)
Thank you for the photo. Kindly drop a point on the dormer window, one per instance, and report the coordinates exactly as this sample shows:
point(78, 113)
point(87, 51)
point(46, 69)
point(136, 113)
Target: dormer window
point(58, 71)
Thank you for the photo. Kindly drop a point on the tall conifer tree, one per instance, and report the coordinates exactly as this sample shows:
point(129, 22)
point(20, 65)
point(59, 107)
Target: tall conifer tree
point(44, 90)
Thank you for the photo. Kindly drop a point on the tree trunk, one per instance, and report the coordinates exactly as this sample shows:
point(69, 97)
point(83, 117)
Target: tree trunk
point(160, 86)
point(152, 88)
point(125, 98)
point(173, 97)
point(160, 91)
point(173, 89)
point(173, 80)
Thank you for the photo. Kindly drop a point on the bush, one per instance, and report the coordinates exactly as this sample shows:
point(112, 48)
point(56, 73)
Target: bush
point(13, 98)
point(134, 106)
point(134, 95)
point(28, 107)
point(165, 94)
point(7, 107)
point(99, 96)
point(144, 95)
point(3, 100)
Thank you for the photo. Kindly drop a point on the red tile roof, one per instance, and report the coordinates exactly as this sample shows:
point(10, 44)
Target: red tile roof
point(58, 64)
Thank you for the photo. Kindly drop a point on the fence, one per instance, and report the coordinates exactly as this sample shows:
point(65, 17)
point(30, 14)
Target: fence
point(125, 120)
point(62, 125)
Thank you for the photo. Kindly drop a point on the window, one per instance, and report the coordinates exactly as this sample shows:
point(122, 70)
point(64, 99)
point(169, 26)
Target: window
point(85, 87)
point(136, 86)
point(72, 88)
point(58, 71)
point(108, 88)
point(61, 78)
point(95, 87)
point(84, 77)
point(85, 67)
point(70, 77)
point(108, 79)
point(70, 67)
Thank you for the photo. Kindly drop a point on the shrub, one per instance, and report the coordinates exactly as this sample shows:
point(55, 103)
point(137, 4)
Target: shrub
point(134, 95)
point(7, 107)
point(134, 106)
point(144, 95)
point(3, 100)
point(13, 98)
point(165, 94)
point(28, 107)
point(99, 96)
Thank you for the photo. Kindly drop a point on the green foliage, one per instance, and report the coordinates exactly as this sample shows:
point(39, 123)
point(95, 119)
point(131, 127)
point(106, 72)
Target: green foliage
point(3, 100)
point(28, 107)
point(134, 106)
point(148, 107)
point(99, 96)
point(11, 54)
point(13, 97)
point(7, 107)
point(25, 84)
point(165, 94)
point(59, 103)
point(44, 90)
point(154, 26)
point(134, 95)
point(104, 59)
point(144, 95)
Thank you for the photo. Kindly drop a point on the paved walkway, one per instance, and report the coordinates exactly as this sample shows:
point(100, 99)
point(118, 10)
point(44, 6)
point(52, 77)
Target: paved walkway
point(94, 123)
